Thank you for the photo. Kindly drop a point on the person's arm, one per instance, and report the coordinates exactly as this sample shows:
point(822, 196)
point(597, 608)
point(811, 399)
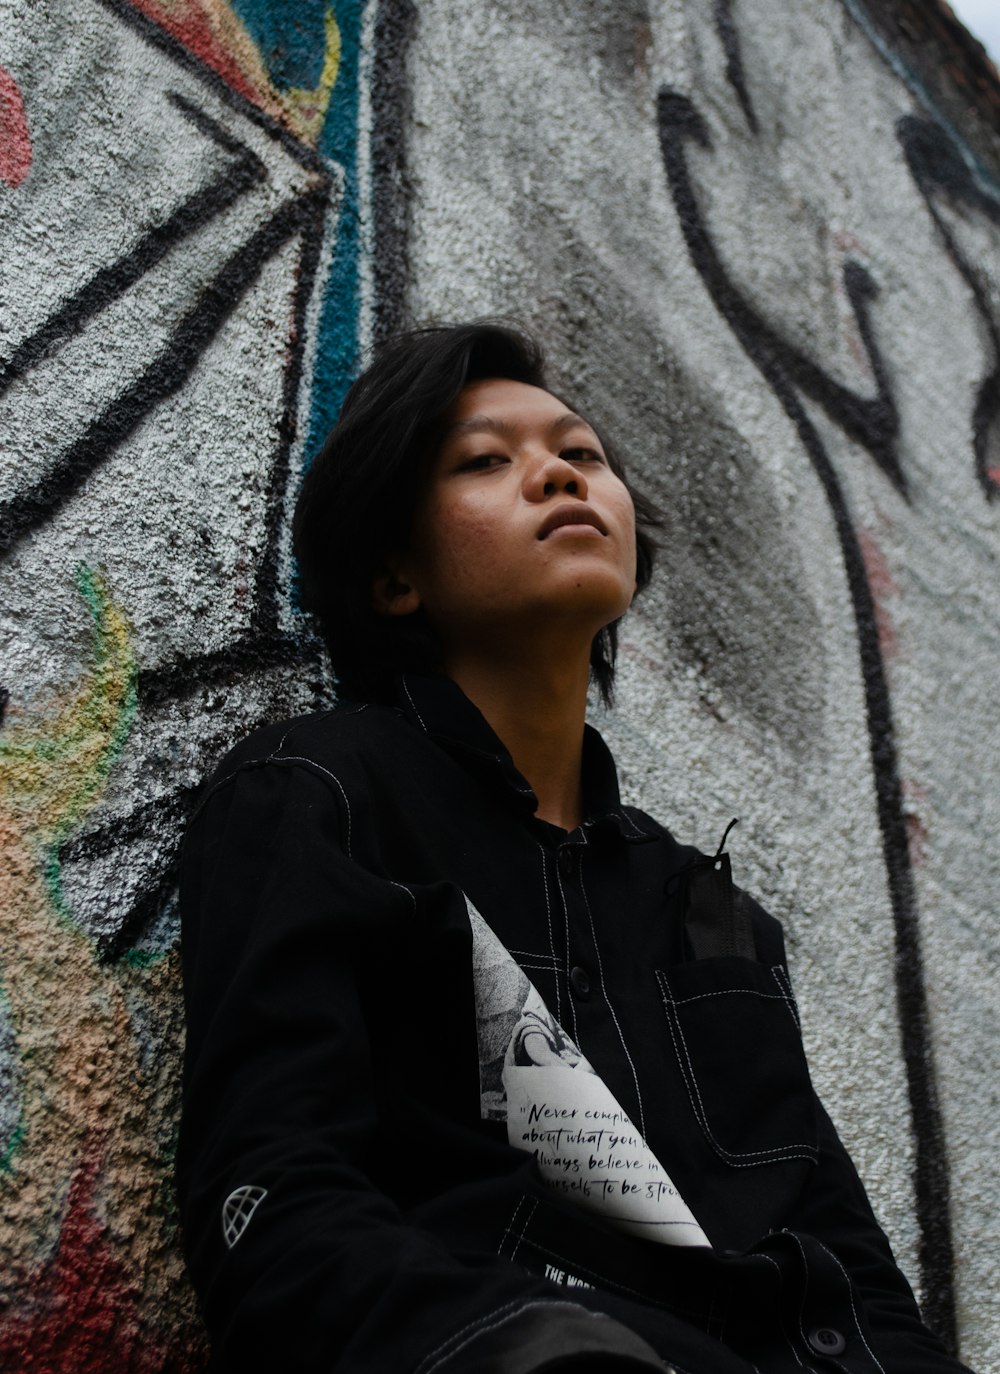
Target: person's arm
point(835, 1209)
point(280, 1107)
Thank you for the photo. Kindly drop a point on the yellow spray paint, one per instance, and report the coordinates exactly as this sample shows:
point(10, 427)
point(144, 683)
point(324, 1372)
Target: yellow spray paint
point(300, 109)
point(53, 771)
point(308, 107)
point(82, 1091)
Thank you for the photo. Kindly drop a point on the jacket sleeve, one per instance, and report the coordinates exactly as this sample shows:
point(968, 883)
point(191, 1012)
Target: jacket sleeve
point(300, 1263)
point(836, 1211)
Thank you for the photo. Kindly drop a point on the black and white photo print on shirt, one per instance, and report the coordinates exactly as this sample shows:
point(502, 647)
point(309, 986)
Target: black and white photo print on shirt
point(533, 1077)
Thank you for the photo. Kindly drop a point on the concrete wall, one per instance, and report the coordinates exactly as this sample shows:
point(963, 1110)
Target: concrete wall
point(765, 255)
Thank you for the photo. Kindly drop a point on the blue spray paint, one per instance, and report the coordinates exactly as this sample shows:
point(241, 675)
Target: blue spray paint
point(291, 38)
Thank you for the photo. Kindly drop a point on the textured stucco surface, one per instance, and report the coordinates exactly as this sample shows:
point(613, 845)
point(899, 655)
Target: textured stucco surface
point(160, 279)
point(764, 258)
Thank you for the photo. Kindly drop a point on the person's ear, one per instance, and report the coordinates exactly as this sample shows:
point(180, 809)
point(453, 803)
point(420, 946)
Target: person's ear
point(393, 593)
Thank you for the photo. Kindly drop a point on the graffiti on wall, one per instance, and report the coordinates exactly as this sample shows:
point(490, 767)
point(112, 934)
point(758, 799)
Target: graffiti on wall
point(946, 183)
point(870, 421)
point(203, 209)
point(184, 290)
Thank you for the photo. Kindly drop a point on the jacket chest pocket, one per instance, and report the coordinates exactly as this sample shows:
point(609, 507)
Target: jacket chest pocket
point(734, 1029)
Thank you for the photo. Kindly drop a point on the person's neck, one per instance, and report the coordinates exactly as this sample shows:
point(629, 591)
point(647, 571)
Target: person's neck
point(538, 710)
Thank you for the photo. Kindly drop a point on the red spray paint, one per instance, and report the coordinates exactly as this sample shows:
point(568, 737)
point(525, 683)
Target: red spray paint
point(15, 141)
point(79, 1309)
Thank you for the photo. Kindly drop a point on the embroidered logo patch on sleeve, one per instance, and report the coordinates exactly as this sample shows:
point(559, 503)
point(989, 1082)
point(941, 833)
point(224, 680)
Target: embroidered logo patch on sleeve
point(237, 1210)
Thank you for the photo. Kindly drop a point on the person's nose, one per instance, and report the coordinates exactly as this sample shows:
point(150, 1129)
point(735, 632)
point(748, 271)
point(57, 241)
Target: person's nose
point(551, 475)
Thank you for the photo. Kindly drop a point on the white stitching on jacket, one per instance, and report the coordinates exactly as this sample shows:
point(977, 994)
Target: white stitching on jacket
point(409, 698)
point(524, 1226)
point(802, 1333)
point(600, 971)
point(741, 1159)
point(501, 1315)
point(636, 829)
point(565, 967)
point(510, 1225)
point(552, 942)
point(403, 888)
point(850, 1290)
point(300, 758)
point(281, 743)
point(727, 992)
point(529, 954)
point(780, 976)
point(433, 1355)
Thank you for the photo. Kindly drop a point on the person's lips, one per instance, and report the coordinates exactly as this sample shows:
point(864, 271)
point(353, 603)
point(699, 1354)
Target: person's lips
point(572, 515)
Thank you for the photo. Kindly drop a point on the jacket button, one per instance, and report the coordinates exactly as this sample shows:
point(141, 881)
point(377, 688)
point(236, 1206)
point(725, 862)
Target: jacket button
point(826, 1340)
point(580, 979)
point(565, 861)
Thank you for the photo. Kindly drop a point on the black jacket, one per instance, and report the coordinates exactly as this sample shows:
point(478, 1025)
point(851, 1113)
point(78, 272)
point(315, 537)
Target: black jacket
point(346, 1206)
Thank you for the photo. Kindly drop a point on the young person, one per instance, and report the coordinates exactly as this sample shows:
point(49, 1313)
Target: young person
point(486, 1071)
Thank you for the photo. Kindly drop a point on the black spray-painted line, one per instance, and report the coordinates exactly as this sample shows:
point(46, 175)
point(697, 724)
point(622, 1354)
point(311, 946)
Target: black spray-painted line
point(725, 27)
point(138, 824)
point(145, 914)
point(265, 647)
point(184, 677)
point(937, 166)
point(166, 374)
point(871, 422)
point(111, 282)
point(158, 37)
point(188, 674)
point(394, 26)
point(165, 817)
point(266, 582)
point(267, 591)
point(874, 426)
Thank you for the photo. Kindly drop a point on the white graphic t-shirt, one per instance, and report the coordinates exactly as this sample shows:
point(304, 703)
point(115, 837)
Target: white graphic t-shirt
point(533, 1077)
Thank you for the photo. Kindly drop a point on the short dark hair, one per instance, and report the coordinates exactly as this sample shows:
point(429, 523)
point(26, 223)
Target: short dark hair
point(359, 496)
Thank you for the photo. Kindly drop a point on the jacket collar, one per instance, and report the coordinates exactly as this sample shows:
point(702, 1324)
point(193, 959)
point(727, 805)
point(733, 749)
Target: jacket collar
point(440, 708)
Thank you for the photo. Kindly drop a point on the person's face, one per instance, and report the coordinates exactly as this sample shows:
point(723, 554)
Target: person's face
point(522, 524)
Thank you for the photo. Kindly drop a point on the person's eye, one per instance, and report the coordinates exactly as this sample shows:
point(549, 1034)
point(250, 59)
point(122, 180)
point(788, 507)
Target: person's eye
point(582, 454)
point(481, 462)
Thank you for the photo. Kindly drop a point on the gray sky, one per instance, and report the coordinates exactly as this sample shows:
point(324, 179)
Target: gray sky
point(981, 17)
